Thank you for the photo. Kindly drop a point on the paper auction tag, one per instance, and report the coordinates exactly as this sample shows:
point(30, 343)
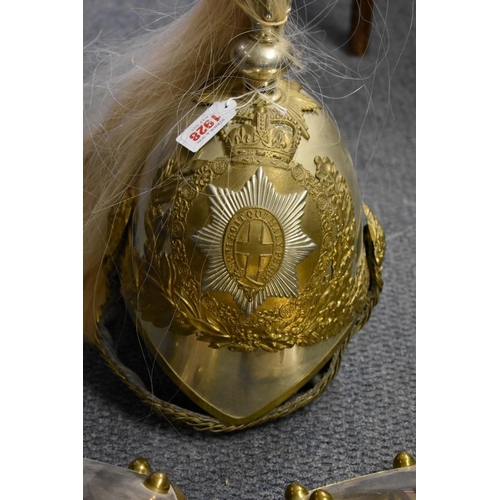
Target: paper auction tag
point(207, 125)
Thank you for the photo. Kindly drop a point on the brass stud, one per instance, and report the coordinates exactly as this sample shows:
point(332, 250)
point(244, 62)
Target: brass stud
point(295, 491)
point(403, 459)
point(320, 495)
point(140, 465)
point(157, 482)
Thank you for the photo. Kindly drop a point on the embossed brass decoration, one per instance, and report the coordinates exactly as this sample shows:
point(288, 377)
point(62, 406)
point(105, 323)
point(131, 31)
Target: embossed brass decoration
point(249, 265)
point(216, 320)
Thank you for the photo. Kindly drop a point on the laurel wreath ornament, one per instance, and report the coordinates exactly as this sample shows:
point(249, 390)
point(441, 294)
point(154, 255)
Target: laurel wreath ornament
point(161, 287)
point(374, 244)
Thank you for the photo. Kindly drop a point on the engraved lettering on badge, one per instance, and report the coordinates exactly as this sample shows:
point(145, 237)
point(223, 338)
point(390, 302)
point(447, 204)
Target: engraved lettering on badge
point(253, 246)
point(254, 242)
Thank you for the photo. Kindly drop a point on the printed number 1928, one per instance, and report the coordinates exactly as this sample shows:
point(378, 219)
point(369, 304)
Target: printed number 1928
point(202, 129)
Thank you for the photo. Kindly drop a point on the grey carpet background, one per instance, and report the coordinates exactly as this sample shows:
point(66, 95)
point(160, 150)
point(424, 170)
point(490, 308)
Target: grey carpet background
point(367, 415)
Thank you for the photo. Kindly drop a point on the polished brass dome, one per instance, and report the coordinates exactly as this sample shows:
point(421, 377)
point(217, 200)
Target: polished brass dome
point(250, 263)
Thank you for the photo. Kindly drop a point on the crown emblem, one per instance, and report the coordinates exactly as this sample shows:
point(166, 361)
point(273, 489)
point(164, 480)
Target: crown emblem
point(263, 131)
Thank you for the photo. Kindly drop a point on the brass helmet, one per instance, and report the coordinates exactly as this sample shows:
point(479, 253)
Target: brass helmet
point(250, 263)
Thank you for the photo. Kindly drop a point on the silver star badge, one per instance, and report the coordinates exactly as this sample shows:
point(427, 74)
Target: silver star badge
point(254, 242)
